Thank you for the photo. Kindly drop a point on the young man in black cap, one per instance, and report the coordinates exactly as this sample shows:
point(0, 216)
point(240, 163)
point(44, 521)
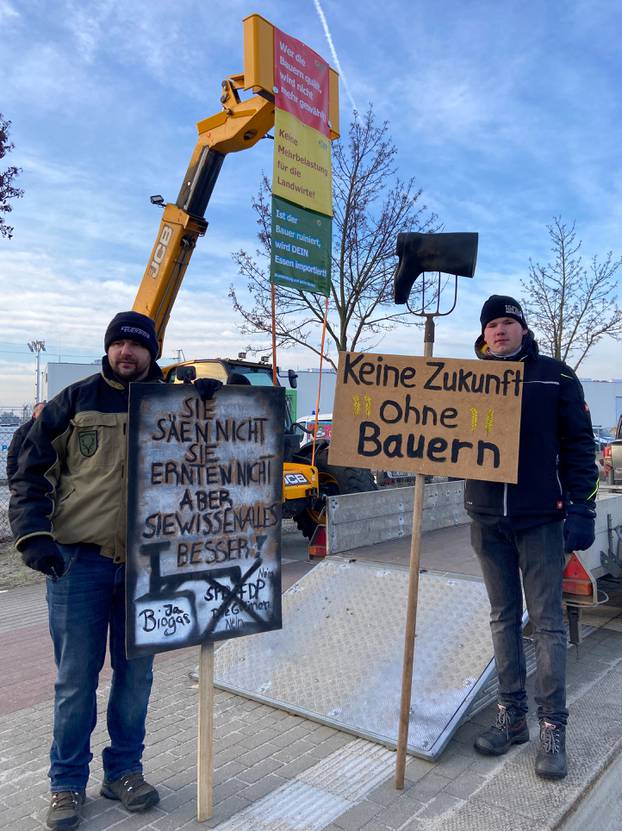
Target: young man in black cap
point(68, 515)
point(523, 531)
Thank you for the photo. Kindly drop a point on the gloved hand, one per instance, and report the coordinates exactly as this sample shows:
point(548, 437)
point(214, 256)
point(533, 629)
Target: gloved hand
point(206, 387)
point(41, 554)
point(579, 529)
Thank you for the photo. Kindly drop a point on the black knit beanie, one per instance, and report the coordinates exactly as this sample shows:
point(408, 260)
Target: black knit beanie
point(133, 326)
point(500, 305)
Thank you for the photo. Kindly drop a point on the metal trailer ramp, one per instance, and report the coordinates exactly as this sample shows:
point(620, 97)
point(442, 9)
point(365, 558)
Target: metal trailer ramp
point(338, 659)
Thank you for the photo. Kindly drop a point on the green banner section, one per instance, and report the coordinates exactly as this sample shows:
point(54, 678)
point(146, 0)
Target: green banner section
point(301, 248)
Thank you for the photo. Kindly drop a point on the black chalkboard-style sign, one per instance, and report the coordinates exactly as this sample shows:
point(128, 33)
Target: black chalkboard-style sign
point(204, 515)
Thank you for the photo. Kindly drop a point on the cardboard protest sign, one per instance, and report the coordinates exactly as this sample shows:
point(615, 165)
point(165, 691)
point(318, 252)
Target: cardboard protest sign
point(437, 416)
point(204, 515)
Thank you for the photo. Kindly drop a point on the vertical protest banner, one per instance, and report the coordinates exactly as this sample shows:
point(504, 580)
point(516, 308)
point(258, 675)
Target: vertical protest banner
point(302, 173)
point(204, 529)
point(302, 201)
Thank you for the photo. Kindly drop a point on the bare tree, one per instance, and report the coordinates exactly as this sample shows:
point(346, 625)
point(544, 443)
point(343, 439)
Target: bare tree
point(7, 189)
point(371, 205)
point(571, 307)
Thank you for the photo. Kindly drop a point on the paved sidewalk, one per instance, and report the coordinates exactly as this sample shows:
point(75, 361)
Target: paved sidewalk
point(279, 771)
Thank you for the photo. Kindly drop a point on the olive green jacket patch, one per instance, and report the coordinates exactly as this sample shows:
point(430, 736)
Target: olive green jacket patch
point(91, 501)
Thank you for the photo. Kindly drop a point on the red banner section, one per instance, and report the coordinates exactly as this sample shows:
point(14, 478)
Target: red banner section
point(301, 79)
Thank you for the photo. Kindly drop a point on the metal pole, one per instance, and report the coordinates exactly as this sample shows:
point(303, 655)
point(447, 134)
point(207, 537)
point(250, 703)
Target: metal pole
point(37, 379)
point(413, 591)
point(37, 346)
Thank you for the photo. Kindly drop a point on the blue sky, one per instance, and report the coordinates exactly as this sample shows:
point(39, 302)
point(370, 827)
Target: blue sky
point(506, 113)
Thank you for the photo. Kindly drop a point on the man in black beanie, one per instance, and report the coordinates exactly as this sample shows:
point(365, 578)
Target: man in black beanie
point(68, 516)
point(524, 530)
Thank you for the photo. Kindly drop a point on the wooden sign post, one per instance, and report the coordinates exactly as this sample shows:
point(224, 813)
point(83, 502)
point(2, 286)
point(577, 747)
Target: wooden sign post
point(205, 734)
point(204, 529)
point(410, 629)
point(428, 416)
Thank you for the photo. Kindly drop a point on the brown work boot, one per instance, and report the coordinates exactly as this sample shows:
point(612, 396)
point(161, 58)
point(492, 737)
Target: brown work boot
point(64, 810)
point(132, 792)
point(510, 728)
point(551, 759)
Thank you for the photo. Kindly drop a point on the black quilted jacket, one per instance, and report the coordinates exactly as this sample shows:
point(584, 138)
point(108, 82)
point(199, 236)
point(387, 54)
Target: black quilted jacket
point(557, 464)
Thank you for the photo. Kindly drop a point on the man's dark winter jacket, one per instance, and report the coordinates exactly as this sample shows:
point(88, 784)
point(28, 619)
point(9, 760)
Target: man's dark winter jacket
point(557, 464)
point(70, 481)
point(15, 446)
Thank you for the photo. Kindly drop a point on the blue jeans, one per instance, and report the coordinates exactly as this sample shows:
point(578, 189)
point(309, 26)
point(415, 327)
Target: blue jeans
point(86, 603)
point(538, 554)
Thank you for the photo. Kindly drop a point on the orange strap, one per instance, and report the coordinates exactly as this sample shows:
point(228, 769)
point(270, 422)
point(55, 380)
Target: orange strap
point(274, 378)
point(319, 383)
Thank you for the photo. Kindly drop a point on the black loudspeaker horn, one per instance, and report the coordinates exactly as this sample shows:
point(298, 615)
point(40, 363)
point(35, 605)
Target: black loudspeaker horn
point(454, 253)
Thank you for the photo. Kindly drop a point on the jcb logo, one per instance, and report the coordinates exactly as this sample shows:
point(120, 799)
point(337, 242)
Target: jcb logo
point(160, 251)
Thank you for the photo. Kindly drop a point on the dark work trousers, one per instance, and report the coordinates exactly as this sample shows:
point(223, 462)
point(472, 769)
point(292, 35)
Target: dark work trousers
point(538, 555)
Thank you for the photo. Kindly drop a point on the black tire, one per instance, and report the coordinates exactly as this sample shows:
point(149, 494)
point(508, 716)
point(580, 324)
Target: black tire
point(333, 482)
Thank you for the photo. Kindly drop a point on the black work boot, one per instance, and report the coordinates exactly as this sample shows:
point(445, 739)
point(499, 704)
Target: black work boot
point(551, 758)
point(64, 811)
point(509, 728)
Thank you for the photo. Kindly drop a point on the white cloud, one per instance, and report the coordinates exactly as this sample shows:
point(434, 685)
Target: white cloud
point(8, 11)
point(43, 76)
point(70, 313)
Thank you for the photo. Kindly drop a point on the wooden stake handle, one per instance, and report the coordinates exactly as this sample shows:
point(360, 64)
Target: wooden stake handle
point(205, 734)
point(411, 608)
point(409, 636)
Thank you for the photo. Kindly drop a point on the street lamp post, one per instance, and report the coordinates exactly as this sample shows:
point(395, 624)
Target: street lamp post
point(37, 346)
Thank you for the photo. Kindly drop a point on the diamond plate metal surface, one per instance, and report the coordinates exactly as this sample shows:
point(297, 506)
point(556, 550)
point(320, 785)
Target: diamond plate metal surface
point(338, 658)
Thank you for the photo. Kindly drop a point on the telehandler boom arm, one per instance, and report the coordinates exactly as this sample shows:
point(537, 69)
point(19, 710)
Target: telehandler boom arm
point(239, 125)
